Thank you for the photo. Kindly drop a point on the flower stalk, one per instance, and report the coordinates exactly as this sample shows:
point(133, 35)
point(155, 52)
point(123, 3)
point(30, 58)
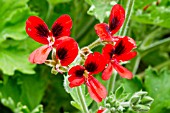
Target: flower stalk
point(129, 9)
point(95, 43)
point(111, 82)
point(122, 32)
point(82, 100)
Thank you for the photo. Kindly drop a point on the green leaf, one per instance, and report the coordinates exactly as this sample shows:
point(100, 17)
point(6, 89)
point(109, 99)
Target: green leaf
point(13, 15)
point(28, 95)
point(12, 60)
point(14, 56)
point(74, 95)
point(38, 109)
point(132, 86)
point(39, 6)
point(100, 9)
point(157, 84)
point(19, 89)
point(76, 105)
point(8, 102)
point(119, 91)
point(154, 14)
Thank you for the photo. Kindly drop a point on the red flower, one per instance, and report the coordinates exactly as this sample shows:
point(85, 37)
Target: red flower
point(121, 51)
point(66, 50)
point(94, 64)
point(38, 30)
point(117, 17)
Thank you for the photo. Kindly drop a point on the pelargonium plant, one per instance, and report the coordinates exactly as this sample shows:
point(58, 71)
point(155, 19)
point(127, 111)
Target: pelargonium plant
point(81, 65)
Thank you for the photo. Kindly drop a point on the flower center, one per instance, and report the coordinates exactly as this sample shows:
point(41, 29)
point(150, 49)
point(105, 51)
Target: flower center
point(91, 67)
point(50, 39)
point(86, 73)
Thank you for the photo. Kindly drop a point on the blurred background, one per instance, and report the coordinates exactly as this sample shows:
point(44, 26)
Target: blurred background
point(32, 88)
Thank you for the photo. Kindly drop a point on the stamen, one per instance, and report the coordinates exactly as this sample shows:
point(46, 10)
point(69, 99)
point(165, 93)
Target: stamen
point(51, 40)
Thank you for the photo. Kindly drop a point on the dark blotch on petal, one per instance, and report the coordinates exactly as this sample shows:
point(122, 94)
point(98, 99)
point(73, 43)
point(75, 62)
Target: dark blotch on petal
point(91, 67)
point(61, 53)
point(42, 31)
point(120, 48)
point(114, 23)
point(79, 73)
point(57, 30)
point(111, 53)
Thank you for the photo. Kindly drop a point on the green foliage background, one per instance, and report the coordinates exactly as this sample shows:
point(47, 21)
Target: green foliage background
point(33, 89)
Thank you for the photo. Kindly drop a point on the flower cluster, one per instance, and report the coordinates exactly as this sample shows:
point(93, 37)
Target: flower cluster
point(117, 49)
point(57, 38)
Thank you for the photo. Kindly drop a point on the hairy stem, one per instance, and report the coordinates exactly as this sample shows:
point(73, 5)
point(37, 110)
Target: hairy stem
point(111, 82)
point(49, 11)
point(154, 46)
point(135, 68)
point(129, 9)
point(95, 43)
point(122, 32)
point(82, 100)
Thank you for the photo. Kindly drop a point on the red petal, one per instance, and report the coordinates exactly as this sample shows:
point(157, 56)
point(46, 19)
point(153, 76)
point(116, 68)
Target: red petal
point(73, 70)
point(76, 77)
point(107, 72)
point(37, 29)
point(96, 90)
point(108, 51)
point(40, 55)
point(95, 63)
point(123, 72)
point(76, 81)
point(102, 30)
point(126, 56)
point(62, 26)
point(117, 17)
point(61, 40)
point(123, 46)
point(101, 110)
point(67, 51)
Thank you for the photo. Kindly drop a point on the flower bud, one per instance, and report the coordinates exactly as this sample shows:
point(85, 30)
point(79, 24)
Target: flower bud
point(141, 93)
point(142, 108)
point(50, 63)
point(54, 71)
point(113, 110)
point(85, 52)
point(147, 100)
point(135, 99)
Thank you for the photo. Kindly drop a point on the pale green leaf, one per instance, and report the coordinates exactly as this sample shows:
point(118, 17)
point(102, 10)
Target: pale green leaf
point(11, 60)
point(13, 15)
point(100, 9)
point(155, 14)
point(54, 2)
point(157, 84)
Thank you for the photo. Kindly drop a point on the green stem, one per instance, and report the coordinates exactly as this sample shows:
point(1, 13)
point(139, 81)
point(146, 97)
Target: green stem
point(158, 32)
point(123, 31)
point(49, 11)
point(82, 100)
point(94, 44)
point(135, 68)
point(147, 40)
point(154, 46)
point(111, 83)
point(129, 9)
